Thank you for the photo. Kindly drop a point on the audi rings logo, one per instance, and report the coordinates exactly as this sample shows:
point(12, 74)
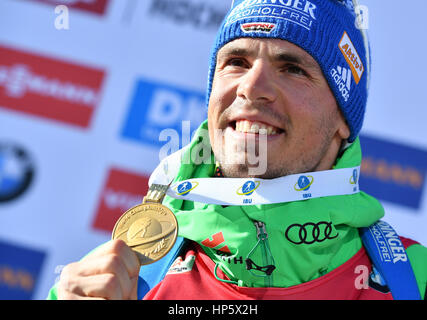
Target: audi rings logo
point(310, 232)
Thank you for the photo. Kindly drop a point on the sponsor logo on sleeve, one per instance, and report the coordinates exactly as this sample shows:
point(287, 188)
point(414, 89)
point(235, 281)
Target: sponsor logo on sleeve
point(389, 245)
point(217, 242)
point(182, 266)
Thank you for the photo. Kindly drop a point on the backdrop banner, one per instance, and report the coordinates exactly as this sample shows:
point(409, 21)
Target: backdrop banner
point(94, 92)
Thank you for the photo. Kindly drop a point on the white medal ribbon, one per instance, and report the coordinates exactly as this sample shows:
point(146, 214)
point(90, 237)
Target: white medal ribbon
point(253, 191)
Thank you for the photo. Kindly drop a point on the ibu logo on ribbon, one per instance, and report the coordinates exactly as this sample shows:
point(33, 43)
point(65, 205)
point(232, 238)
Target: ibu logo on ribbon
point(185, 188)
point(248, 188)
point(354, 179)
point(303, 184)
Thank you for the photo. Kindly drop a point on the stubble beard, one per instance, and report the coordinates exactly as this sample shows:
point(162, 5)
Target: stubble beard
point(233, 160)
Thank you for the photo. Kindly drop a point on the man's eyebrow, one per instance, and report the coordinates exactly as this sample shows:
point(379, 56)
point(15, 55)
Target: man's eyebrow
point(234, 51)
point(279, 56)
point(288, 57)
point(294, 58)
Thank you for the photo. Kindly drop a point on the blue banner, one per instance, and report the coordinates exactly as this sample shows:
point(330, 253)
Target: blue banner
point(19, 271)
point(393, 172)
point(160, 112)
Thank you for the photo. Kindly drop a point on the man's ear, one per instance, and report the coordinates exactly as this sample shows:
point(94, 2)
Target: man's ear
point(343, 130)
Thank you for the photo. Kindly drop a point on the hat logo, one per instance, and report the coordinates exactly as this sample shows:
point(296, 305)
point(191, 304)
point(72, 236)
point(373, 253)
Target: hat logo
point(352, 57)
point(257, 27)
point(299, 12)
point(342, 78)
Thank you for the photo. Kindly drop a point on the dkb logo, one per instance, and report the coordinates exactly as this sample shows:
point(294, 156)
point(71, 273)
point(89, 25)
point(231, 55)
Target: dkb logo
point(157, 106)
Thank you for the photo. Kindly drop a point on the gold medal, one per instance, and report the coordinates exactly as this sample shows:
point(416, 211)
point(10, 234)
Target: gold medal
point(150, 228)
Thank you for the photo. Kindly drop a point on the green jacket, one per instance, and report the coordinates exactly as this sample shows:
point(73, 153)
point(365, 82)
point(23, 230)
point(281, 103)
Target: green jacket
point(296, 264)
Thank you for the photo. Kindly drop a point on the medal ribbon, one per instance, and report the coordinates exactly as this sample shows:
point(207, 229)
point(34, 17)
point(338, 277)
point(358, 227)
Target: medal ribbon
point(253, 191)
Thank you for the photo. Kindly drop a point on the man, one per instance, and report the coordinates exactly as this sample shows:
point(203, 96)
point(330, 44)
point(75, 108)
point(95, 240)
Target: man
point(291, 76)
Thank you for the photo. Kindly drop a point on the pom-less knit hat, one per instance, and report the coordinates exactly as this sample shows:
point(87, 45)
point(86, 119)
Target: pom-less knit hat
point(326, 29)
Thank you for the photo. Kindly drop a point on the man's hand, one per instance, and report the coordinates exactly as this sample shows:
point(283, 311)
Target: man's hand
point(111, 272)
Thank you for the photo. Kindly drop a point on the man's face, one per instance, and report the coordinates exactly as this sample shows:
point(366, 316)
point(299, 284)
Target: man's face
point(273, 85)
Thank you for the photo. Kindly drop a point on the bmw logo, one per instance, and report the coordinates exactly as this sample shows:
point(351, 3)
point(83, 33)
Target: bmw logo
point(16, 172)
point(304, 183)
point(248, 188)
point(184, 188)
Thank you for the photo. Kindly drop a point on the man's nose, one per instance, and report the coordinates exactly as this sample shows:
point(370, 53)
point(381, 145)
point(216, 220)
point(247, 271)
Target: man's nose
point(257, 84)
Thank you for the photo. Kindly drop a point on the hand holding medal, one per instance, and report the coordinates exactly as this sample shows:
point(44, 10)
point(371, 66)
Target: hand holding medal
point(143, 235)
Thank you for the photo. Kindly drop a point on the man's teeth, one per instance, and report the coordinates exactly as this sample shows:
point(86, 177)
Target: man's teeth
point(254, 127)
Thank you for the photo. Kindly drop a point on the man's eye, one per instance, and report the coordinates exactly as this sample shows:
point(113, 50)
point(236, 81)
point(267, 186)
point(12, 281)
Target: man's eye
point(236, 62)
point(295, 70)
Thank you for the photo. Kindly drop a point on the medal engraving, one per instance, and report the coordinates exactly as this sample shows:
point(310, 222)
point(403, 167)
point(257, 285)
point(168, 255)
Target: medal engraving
point(150, 229)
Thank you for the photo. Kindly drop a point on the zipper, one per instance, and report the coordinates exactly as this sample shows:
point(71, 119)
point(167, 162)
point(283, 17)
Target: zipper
point(267, 257)
point(263, 236)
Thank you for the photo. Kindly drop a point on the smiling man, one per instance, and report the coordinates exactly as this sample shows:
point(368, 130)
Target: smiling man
point(288, 83)
point(275, 86)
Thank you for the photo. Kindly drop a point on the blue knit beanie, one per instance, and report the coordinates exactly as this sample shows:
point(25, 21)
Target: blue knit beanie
point(326, 29)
